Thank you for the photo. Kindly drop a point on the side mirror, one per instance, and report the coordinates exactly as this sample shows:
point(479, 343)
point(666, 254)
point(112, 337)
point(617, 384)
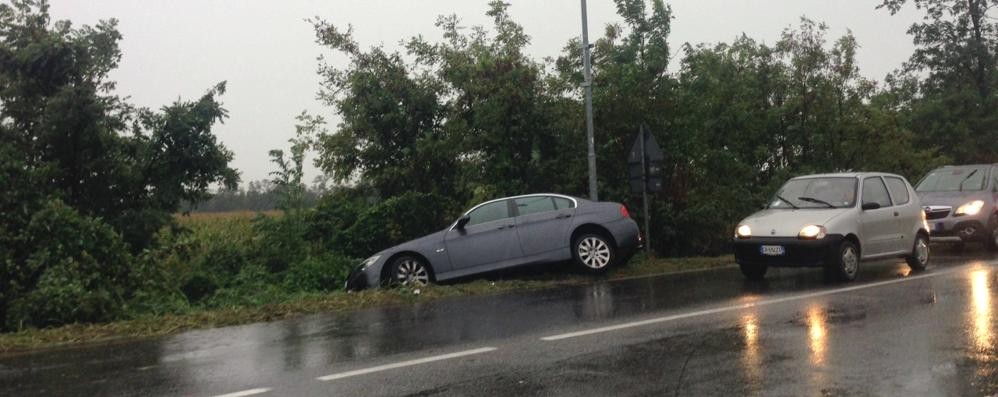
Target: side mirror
point(462, 221)
point(870, 206)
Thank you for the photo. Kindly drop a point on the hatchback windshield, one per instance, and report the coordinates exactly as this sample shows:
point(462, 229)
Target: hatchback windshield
point(834, 192)
point(954, 180)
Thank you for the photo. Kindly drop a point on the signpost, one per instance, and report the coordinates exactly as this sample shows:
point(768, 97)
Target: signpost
point(645, 165)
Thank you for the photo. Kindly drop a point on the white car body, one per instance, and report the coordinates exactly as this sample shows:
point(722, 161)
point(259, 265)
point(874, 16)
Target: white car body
point(893, 227)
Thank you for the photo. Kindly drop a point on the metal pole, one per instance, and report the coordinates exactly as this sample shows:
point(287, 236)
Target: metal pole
point(644, 189)
point(588, 84)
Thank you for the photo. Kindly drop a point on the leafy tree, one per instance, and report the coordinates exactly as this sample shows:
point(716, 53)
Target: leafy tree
point(956, 49)
point(69, 140)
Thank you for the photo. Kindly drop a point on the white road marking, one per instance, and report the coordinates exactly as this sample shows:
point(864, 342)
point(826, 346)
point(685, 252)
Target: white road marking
point(764, 302)
point(243, 393)
point(409, 363)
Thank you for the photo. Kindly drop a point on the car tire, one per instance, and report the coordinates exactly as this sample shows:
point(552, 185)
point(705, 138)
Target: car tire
point(991, 240)
point(753, 272)
point(593, 253)
point(845, 264)
point(918, 260)
point(409, 271)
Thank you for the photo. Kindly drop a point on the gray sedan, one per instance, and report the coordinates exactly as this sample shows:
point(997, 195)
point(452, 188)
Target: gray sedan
point(508, 232)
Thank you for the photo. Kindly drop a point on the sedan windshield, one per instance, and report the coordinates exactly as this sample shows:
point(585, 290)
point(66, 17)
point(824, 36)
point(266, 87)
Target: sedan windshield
point(832, 192)
point(954, 180)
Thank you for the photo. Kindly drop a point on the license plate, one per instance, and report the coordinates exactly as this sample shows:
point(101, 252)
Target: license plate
point(772, 250)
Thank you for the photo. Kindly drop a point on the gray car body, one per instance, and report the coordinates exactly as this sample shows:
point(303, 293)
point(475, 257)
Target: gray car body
point(941, 207)
point(518, 240)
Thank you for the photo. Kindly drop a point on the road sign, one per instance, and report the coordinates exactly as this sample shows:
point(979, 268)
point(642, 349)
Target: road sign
point(644, 164)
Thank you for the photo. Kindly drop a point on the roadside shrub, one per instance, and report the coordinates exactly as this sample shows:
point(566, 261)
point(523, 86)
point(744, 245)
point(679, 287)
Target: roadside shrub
point(318, 273)
point(77, 270)
point(363, 230)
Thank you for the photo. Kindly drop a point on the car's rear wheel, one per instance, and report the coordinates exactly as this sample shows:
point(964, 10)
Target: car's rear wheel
point(919, 257)
point(753, 272)
point(409, 271)
point(593, 253)
point(845, 264)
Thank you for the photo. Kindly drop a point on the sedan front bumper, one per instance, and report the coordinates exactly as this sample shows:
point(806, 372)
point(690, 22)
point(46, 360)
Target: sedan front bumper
point(796, 252)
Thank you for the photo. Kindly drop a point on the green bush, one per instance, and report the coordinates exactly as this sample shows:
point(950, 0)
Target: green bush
point(318, 273)
point(77, 270)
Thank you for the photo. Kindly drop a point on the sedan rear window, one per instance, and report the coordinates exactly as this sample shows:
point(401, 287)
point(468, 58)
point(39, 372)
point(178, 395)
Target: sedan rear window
point(533, 205)
point(954, 180)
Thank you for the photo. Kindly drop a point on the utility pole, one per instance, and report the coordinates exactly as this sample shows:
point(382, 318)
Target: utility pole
point(588, 86)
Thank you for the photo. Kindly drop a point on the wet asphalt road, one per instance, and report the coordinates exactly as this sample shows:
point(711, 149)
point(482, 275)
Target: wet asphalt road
point(891, 332)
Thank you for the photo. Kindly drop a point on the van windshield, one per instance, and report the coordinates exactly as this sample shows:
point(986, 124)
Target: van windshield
point(954, 180)
point(807, 193)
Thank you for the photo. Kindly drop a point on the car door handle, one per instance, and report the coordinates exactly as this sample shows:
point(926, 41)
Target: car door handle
point(563, 216)
point(895, 213)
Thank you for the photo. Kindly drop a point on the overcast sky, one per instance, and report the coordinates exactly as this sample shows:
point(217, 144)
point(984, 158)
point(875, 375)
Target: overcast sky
point(267, 52)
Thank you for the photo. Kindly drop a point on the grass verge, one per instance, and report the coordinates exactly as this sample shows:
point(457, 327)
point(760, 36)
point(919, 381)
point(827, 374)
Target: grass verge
point(151, 326)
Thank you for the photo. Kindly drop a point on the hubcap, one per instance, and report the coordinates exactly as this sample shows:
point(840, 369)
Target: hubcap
point(922, 251)
point(849, 260)
point(412, 272)
point(594, 253)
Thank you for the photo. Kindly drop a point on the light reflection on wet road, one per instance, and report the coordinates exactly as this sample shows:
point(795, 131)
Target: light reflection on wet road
point(929, 336)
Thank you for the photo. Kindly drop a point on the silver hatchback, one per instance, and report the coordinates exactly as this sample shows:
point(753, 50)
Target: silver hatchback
point(835, 221)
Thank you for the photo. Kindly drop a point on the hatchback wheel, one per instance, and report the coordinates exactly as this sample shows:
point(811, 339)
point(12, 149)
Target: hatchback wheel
point(593, 253)
point(409, 271)
point(846, 262)
point(919, 257)
point(992, 240)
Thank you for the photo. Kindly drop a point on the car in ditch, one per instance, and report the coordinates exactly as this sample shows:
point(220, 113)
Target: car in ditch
point(508, 232)
point(834, 221)
point(961, 203)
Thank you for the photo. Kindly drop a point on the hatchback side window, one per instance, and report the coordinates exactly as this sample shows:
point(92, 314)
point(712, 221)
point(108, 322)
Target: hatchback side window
point(489, 212)
point(533, 205)
point(899, 190)
point(874, 191)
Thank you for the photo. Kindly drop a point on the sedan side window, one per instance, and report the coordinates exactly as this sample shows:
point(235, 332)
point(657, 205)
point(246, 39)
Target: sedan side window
point(489, 212)
point(899, 190)
point(533, 205)
point(874, 191)
point(563, 203)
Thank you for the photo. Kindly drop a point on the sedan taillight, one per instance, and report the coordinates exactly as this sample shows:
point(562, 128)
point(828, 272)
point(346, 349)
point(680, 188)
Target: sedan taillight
point(624, 213)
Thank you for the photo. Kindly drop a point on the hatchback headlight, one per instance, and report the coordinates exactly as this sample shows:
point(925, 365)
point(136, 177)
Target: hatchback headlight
point(972, 208)
point(812, 232)
point(743, 231)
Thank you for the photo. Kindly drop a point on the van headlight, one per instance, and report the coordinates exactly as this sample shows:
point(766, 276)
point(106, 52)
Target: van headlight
point(812, 232)
point(972, 208)
point(743, 231)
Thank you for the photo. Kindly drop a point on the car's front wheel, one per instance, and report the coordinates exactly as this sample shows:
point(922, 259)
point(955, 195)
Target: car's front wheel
point(593, 253)
point(919, 257)
point(991, 241)
point(845, 263)
point(409, 271)
point(753, 272)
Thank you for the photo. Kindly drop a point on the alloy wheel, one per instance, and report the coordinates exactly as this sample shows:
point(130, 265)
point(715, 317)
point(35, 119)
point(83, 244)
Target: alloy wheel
point(594, 252)
point(411, 272)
